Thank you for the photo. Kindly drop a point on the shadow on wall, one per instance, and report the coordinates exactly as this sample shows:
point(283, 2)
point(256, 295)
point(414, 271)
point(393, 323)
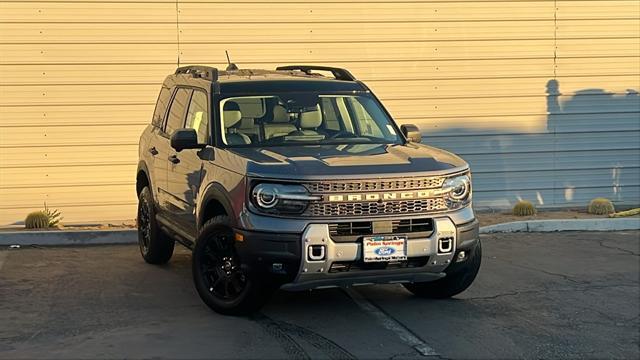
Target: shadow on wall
point(591, 148)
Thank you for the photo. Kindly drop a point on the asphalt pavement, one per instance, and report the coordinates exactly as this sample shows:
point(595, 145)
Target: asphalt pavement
point(538, 295)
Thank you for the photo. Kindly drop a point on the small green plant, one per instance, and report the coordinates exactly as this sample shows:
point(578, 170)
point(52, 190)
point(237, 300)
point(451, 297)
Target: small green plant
point(42, 219)
point(601, 206)
point(524, 208)
point(37, 220)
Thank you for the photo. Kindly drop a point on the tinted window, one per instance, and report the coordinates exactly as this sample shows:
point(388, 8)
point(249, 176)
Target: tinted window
point(198, 116)
point(161, 106)
point(176, 112)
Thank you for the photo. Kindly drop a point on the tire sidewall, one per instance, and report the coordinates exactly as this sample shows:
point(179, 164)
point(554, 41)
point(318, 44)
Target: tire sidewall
point(251, 296)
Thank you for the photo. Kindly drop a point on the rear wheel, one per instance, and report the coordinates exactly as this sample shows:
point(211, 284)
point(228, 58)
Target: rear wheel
point(155, 246)
point(459, 277)
point(220, 278)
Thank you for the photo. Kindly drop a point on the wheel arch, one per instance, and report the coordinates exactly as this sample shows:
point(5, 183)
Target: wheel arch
point(142, 178)
point(214, 202)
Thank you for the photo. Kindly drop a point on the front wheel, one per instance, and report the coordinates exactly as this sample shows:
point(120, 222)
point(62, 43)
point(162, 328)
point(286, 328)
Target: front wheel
point(459, 277)
point(220, 278)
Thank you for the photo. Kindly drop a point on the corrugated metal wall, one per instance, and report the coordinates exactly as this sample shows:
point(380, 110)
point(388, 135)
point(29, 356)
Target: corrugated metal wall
point(540, 96)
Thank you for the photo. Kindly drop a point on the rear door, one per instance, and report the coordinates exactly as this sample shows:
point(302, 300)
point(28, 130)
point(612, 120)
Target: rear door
point(185, 167)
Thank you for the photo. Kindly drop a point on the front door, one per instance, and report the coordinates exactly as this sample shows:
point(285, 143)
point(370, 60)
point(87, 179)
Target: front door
point(175, 120)
point(185, 167)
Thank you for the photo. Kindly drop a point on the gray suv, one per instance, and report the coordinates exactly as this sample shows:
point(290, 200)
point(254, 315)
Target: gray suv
point(298, 179)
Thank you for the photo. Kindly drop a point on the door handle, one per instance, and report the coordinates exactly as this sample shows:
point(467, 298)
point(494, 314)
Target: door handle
point(174, 159)
point(153, 151)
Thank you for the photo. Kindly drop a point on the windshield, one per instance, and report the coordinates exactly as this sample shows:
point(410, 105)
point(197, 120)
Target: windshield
point(305, 119)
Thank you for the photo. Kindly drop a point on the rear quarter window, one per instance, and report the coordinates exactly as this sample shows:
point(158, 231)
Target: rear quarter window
point(161, 106)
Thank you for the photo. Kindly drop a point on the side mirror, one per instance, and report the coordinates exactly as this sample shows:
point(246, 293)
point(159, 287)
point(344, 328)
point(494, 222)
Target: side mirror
point(411, 132)
point(185, 139)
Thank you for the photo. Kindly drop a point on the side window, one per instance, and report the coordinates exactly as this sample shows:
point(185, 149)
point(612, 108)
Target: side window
point(176, 112)
point(198, 116)
point(161, 106)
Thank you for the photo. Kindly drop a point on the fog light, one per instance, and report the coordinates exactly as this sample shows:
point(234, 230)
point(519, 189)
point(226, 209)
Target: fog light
point(316, 252)
point(461, 256)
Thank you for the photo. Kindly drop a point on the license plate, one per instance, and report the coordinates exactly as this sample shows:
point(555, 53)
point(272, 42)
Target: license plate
point(384, 248)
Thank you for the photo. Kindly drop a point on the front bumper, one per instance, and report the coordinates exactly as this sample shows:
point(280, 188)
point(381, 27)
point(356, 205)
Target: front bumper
point(283, 257)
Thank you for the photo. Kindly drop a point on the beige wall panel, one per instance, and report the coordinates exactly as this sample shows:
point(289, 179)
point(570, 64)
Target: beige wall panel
point(604, 28)
point(331, 52)
point(601, 9)
point(100, 11)
point(15, 33)
point(124, 94)
point(594, 66)
point(85, 74)
point(459, 88)
point(598, 47)
point(87, 53)
point(71, 135)
point(70, 195)
point(80, 115)
point(467, 107)
point(69, 157)
point(451, 69)
point(359, 12)
point(357, 32)
point(55, 176)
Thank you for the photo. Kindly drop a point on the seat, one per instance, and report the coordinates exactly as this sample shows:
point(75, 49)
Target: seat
point(231, 116)
point(309, 123)
point(280, 125)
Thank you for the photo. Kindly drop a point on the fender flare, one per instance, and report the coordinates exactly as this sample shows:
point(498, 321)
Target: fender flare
point(215, 191)
point(142, 166)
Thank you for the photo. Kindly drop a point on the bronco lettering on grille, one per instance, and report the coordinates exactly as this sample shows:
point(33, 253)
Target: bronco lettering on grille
point(385, 196)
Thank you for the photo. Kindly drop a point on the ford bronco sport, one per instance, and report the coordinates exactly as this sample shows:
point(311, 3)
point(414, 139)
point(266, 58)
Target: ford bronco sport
point(298, 179)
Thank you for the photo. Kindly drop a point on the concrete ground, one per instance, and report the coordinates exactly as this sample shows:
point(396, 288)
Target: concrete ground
point(554, 295)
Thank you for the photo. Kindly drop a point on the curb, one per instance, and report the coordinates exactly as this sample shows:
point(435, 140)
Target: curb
point(130, 236)
point(563, 225)
point(71, 237)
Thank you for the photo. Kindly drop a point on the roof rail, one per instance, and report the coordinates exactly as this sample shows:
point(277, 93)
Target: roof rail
point(338, 73)
point(204, 72)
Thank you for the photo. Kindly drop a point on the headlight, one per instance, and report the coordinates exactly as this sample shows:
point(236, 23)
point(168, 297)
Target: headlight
point(458, 188)
point(281, 198)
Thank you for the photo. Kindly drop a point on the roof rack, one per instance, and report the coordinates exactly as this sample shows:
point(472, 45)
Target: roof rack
point(338, 73)
point(204, 72)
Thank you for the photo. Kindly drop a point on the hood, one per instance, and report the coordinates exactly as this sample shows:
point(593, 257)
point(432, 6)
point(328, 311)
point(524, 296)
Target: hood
point(347, 161)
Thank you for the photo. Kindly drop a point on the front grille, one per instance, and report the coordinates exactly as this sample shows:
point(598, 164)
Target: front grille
point(350, 231)
point(353, 231)
point(376, 208)
point(412, 225)
point(375, 185)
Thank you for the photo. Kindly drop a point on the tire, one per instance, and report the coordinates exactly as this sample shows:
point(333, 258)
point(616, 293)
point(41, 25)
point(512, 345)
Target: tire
point(155, 246)
point(219, 276)
point(459, 277)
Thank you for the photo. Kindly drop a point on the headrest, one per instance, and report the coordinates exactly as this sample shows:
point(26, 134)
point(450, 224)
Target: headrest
point(231, 117)
point(231, 105)
point(310, 119)
point(280, 114)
